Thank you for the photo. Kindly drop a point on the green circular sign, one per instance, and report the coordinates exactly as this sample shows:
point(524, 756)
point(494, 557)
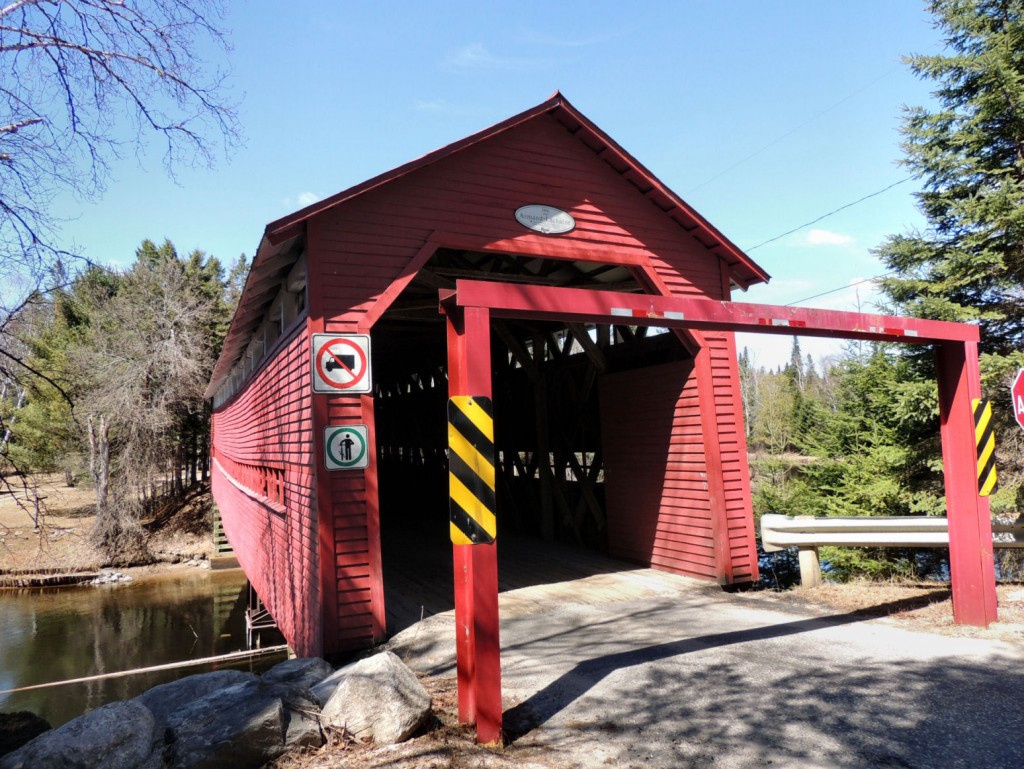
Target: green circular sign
point(346, 447)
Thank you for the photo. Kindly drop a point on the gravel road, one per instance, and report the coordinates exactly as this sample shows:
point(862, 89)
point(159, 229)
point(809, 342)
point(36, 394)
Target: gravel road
point(704, 679)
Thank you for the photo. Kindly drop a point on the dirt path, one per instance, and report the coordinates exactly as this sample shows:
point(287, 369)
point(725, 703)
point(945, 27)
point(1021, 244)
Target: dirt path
point(643, 681)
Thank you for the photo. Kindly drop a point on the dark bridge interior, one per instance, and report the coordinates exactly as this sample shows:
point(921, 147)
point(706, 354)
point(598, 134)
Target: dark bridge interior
point(549, 453)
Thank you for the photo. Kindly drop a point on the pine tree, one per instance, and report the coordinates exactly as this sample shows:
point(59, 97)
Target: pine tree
point(968, 152)
point(968, 265)
point(133, 351)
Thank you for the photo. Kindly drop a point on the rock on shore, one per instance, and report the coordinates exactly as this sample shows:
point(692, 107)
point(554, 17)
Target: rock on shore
point(234, 719)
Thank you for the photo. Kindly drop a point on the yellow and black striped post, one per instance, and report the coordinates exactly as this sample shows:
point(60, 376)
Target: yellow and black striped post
point(471, 470)
point(985, 438)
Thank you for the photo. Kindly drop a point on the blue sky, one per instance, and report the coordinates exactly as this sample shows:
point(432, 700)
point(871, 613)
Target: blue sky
point(763, 115)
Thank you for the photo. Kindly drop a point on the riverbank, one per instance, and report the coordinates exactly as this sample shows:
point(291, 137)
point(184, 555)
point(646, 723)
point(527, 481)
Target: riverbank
point(58, 550)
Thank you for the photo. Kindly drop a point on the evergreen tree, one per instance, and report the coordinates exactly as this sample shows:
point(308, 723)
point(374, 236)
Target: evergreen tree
point(969, 152)
point(236, 282)
point(133, 352)
point(968, 263)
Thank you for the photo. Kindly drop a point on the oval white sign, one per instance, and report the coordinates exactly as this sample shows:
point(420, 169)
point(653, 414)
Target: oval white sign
point(545, 219)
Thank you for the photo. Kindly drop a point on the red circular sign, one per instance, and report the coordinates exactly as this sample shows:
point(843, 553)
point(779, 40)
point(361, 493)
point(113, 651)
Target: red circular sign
point(1017, 391)
point(338, 354)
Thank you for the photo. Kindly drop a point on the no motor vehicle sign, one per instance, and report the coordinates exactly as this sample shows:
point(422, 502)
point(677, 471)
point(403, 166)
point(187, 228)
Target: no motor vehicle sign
point(341, 364)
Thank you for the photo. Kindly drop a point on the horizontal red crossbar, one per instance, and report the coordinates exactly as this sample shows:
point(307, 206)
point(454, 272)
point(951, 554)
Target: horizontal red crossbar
point(584, 305)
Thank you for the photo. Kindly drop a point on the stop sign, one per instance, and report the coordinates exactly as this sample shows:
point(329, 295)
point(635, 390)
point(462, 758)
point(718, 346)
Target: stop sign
point(1017, 391)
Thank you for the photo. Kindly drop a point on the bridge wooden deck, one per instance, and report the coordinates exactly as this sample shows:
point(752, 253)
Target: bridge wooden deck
point(532, 576)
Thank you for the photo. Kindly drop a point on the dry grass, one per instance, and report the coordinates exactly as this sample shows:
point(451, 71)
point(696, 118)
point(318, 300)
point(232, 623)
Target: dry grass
point(61, 543)
point(924, 606)
point(443, 744)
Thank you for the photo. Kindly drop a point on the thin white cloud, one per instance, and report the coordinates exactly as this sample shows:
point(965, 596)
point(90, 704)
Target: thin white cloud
point(301, 200)
point(443, 107)
point(431, 105)
point(476, 56)
point(827, 238)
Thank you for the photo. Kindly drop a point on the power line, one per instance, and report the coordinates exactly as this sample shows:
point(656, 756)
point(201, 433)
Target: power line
point(830, 213)
point(790, 132)
point(841, 288)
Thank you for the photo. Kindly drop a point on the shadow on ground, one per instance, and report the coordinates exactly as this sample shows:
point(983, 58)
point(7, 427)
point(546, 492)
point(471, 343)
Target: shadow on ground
point(743, 687)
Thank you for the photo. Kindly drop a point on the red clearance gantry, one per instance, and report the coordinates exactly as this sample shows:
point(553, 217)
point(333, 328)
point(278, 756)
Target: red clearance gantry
point(971, 561)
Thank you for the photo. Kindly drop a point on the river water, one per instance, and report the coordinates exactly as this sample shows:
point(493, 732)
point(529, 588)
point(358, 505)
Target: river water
point(54, 634)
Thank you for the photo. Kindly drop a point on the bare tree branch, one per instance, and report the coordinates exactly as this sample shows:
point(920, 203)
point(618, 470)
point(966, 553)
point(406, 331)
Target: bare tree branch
point(82, 80)
point(81, 83)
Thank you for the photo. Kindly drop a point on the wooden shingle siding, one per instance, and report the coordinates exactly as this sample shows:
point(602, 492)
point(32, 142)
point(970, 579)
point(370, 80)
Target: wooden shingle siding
point(728, 491)
point(655, 469)
point(471, 196)
point(349, 520)
point(268, 423)
point(735, 468)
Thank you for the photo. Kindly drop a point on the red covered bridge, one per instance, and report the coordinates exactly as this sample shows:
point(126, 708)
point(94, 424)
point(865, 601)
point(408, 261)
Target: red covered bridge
point(540, 269)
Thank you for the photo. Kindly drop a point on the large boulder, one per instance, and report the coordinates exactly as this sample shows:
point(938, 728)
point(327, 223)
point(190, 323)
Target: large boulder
point(378, 698)
point(242, 726)
point(222, 719)
point(115, 736)
point(323, 691)
point(165, 699)
point(302, 714)
point(304, 671)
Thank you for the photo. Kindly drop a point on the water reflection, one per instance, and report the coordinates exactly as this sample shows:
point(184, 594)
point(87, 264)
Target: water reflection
point(61, 633)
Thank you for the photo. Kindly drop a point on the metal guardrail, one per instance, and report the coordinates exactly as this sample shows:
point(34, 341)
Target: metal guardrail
point(809, 533)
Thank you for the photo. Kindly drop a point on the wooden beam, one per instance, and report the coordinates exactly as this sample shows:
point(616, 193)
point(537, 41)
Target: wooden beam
point(478, 651)
point(582, 335)
point(577, 305)
point(543, 452)
point(518, 351)
point(971, 564)
point(587, 497)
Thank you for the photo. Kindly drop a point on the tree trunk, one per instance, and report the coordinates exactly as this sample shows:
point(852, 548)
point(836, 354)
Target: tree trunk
point(99, 460)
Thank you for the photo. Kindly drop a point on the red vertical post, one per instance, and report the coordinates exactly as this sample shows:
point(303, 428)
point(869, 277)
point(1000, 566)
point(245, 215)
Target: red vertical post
point(971, 564)
point(477, 646)
point(720, 542)
point(378, 622)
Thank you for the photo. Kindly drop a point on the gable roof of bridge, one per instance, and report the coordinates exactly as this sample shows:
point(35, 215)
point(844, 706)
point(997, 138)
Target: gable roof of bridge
point(277, 246)
point(744, 271)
